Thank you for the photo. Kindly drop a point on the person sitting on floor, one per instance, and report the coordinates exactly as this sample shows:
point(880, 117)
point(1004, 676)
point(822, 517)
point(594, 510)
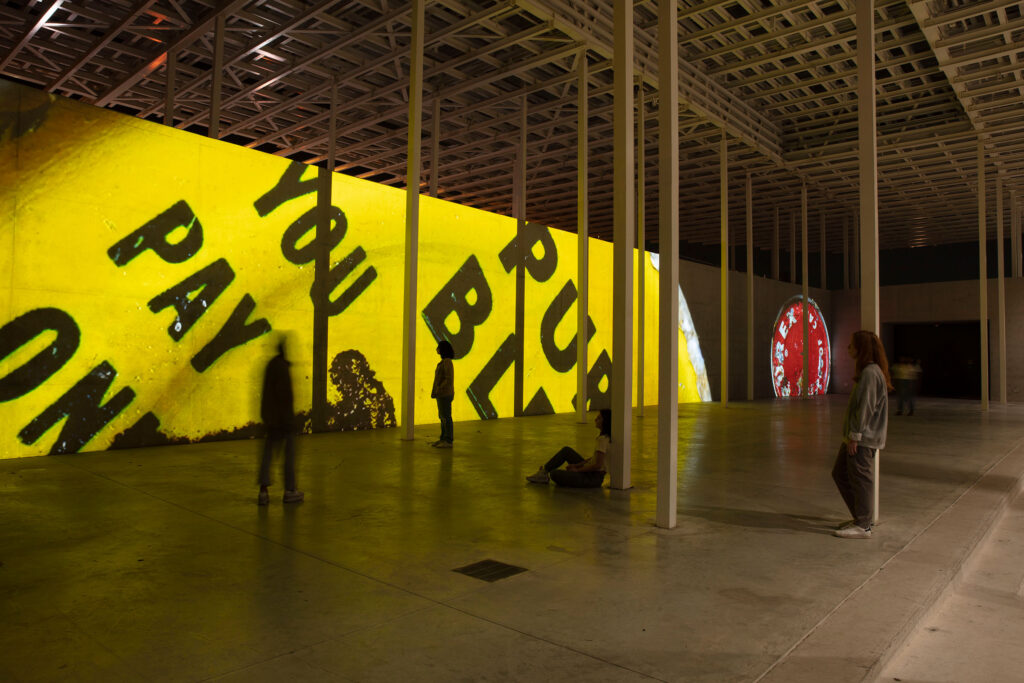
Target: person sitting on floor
point(580, 472)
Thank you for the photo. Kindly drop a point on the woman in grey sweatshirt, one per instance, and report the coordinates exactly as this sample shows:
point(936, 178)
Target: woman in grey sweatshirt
point(864, 427)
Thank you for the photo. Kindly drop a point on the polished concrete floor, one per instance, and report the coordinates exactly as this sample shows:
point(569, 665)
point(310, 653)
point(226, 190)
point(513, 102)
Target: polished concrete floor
point(157, 565)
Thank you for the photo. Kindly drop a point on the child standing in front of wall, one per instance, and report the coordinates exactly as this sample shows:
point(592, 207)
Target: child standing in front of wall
point(443, 392)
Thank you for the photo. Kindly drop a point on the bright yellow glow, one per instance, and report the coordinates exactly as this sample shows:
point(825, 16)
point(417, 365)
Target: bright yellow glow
point(80, 180)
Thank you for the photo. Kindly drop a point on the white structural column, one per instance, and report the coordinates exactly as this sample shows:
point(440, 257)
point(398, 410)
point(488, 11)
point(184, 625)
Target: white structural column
point(624, 215)
point(668, 265)
point(218, 74)
point(750, 288)
point(1000, 289)
point(332, 129)
point(823, 253)
point(1015, 234)
point(855, 270)
point(641, 238)
point(846, 253)
point(582, 234)
point(435, 145)
point(519, 211)
point(983, 274)
point(805, 380)
point(775, 246)
point(723, 171)
point(172, 75)
point(792, 246)
point(868, 156)
point(412, 218)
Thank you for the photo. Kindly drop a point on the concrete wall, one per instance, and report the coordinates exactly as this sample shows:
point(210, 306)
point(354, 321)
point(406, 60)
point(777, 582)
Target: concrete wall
point(939, 302)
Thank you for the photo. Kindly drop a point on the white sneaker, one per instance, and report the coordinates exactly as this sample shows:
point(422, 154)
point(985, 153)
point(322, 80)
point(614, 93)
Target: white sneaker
point(845, 525)
point(293, 496)
point(541, 477)
point(852, 531)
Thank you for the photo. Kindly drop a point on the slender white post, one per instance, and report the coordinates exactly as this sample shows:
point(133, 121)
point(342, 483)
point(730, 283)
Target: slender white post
point(775, 245)
point(821, 270)
point(869, 318)
point(218, 69)
point(750, 288)
point(855, 271)
point(519, 200)
point(1013, 234)
point(582, 241)
point(172, 74)
point(877, 477)
point(624, 216)
point(668, 273)
point(983, 274)
point(846, 253)
point(792, 247)
point(723, 174)
point(1001, 289)
point(641, 237)
point(412, 219)
point(332, 128)
point(435, 146)
point(805, 380)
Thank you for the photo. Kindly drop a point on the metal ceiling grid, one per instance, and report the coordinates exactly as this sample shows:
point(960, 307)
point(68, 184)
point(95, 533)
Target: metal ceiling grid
point(778, 76)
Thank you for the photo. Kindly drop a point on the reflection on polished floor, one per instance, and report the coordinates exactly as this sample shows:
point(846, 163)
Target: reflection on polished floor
point(157, 565)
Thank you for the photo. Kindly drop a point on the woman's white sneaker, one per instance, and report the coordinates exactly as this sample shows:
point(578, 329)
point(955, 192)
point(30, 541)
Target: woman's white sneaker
point(852, 531)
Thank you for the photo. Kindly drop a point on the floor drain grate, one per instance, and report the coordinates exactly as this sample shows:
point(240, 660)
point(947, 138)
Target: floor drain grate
point(489, 570)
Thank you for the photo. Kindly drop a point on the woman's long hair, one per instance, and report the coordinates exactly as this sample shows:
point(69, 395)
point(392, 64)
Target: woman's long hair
point(868, 348)
point(606, 423)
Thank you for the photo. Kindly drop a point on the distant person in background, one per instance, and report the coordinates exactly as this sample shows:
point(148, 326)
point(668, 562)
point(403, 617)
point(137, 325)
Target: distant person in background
point(580, 472)
point(443, 392)
point(278, 413)
point(864, 428)
point(904, 375)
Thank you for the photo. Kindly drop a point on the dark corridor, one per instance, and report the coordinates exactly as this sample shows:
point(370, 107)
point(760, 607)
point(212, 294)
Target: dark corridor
point(950, 356)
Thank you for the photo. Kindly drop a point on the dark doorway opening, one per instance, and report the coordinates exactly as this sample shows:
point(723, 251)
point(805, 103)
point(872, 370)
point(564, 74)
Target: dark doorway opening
point(950, 356)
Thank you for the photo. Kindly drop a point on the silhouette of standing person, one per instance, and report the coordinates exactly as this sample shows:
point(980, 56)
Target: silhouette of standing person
point(278, 413)
point(443, 391)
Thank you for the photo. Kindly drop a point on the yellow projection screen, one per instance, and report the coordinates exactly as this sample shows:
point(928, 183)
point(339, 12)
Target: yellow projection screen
point(148, 274)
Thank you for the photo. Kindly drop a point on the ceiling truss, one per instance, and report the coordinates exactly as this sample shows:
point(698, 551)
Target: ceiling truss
point(778, 78)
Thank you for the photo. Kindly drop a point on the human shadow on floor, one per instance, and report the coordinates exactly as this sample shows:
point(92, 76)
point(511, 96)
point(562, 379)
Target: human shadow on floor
point(762, 519)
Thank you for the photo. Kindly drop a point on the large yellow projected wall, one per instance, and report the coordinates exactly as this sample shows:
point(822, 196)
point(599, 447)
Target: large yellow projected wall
point(147, 273)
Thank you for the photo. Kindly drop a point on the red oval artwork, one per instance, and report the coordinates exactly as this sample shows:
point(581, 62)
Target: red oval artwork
point(787, 349)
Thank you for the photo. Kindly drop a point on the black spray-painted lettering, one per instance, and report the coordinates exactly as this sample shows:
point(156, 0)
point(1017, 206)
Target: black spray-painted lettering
point(540, 269)
point(561, 360)
point(303, 225)
point(540, 404)
point(453, 298)
point(44, 364)
point(480, 388)
point(153, 235)
point(210, 283)
point(235, 332)
point(600, 370)
point(288, 187)
point(338, 272)
point(83, 407)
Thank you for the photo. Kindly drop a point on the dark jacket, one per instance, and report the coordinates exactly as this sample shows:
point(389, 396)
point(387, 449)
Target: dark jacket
point(277, 408)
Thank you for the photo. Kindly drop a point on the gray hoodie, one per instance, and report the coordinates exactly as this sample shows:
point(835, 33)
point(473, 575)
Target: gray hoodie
point(867, 413)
